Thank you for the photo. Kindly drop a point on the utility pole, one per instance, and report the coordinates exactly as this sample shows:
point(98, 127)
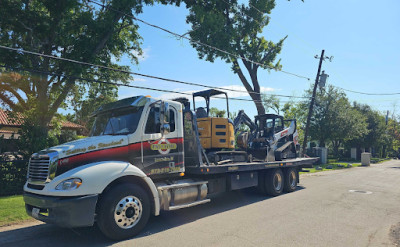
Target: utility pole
point(310, 109)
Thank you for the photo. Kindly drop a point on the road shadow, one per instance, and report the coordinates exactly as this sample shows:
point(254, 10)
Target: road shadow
point(219, 203)
point(50, 235)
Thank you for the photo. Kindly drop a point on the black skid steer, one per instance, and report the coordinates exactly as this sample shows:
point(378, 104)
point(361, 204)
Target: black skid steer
point(267, 138)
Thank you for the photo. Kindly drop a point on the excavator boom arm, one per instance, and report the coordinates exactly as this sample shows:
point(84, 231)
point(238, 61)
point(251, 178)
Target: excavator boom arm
point(242, 118)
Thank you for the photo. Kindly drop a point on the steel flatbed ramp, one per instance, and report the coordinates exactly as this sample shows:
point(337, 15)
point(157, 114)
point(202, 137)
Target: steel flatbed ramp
point(239, 167)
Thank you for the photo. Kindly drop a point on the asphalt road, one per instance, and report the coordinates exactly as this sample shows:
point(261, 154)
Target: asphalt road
point(355, 207)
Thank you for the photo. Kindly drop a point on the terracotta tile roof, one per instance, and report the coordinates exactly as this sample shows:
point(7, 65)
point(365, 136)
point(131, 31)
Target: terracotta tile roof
point(71, 125)
point(5, 119)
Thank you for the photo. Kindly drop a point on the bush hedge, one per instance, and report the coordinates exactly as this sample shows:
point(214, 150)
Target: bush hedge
point(12, 176)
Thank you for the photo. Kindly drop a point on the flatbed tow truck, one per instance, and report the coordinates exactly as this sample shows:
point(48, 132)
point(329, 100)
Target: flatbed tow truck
point(143, 156)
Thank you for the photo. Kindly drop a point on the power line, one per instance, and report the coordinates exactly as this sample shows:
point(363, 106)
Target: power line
point(89, 80)
point(110, 83)
point(134, 73)
point(197, 42)
point(364, 93)
point(352, 91)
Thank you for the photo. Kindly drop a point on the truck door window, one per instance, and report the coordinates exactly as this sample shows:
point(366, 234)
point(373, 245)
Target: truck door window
point(153, 121)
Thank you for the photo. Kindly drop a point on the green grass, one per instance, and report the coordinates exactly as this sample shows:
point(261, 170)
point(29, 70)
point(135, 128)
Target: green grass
point(335, 162)
point(12, 209)
point(378, 160)
point(334, 166)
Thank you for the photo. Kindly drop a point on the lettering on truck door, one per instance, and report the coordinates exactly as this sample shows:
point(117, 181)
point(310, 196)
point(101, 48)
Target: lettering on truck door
point(161, 154)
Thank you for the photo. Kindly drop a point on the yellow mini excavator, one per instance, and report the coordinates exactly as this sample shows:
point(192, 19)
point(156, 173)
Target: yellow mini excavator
point(217, 134)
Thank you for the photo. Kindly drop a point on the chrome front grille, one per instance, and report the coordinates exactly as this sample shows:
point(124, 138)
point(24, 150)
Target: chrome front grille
point(39, 169)
point(42, 167)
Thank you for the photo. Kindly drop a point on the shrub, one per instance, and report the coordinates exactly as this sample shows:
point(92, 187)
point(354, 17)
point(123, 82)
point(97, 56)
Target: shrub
point(13, 171)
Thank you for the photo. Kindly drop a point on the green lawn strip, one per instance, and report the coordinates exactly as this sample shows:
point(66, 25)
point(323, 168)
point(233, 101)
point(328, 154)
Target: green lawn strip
point(334, 167)
point(379, 160)
point(12, 210)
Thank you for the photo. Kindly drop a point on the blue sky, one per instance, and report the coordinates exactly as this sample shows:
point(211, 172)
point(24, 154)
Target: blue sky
point(363, 37)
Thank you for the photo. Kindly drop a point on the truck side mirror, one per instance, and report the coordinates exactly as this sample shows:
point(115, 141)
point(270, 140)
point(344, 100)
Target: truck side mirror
point(164, 118)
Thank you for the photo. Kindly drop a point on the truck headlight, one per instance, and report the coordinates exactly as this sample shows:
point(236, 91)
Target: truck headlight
point(69, 184)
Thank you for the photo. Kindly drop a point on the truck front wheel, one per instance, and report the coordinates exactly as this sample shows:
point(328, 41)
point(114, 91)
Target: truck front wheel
point(123, 211)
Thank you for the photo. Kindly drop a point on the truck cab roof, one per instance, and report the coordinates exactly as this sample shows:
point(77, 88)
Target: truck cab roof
point(136, 101)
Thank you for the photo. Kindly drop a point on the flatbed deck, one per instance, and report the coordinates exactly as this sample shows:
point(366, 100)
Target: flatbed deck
point(254, 166)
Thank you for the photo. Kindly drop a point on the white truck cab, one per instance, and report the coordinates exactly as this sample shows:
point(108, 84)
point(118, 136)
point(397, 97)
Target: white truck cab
point(137, 139)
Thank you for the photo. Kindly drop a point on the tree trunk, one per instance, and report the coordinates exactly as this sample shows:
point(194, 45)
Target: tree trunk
point(253, 92)
point(336, 145)
point(257, 101)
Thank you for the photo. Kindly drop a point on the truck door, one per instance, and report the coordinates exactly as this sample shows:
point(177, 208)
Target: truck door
point(161, 154)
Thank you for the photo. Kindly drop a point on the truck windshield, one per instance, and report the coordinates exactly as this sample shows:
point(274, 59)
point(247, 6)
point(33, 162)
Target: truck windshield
point(117, 122)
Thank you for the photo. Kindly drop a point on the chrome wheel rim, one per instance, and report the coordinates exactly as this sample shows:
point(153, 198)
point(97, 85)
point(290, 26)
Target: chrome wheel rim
point(292, 179)
point(277, 181)
point(128, 212)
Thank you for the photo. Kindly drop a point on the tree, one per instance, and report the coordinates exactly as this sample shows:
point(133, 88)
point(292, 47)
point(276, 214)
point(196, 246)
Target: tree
point(393, 134)
point(376, 136)
point(335, 120)
point(271, 102)
point(214, 112)
point(235, 28)
point(72, 29)
point(298, 111)
point(97, 96)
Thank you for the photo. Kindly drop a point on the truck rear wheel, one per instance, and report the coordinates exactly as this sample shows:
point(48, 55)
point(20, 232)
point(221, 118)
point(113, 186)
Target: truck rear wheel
point(290, 179)
point(123, 211)
point(274, 182)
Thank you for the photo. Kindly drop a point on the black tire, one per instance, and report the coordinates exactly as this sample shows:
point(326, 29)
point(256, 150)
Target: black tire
point(290, 179)
point(274, 182)
point(116, 204)
point(261, 183)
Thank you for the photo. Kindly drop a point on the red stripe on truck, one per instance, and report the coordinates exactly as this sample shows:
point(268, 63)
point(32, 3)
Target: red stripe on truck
point(109, 153)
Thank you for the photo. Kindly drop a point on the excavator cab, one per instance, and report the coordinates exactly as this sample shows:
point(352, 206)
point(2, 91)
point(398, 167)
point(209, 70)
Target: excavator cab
point(216, 133)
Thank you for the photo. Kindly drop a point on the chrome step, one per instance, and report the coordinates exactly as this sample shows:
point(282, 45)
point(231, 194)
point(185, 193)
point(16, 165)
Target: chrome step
point(189, 204)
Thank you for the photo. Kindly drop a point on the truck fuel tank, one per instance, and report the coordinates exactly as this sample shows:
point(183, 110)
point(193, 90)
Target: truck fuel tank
point(182, 193)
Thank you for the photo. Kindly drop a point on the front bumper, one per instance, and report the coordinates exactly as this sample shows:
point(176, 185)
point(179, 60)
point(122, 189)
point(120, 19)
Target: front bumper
point(68, 212)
